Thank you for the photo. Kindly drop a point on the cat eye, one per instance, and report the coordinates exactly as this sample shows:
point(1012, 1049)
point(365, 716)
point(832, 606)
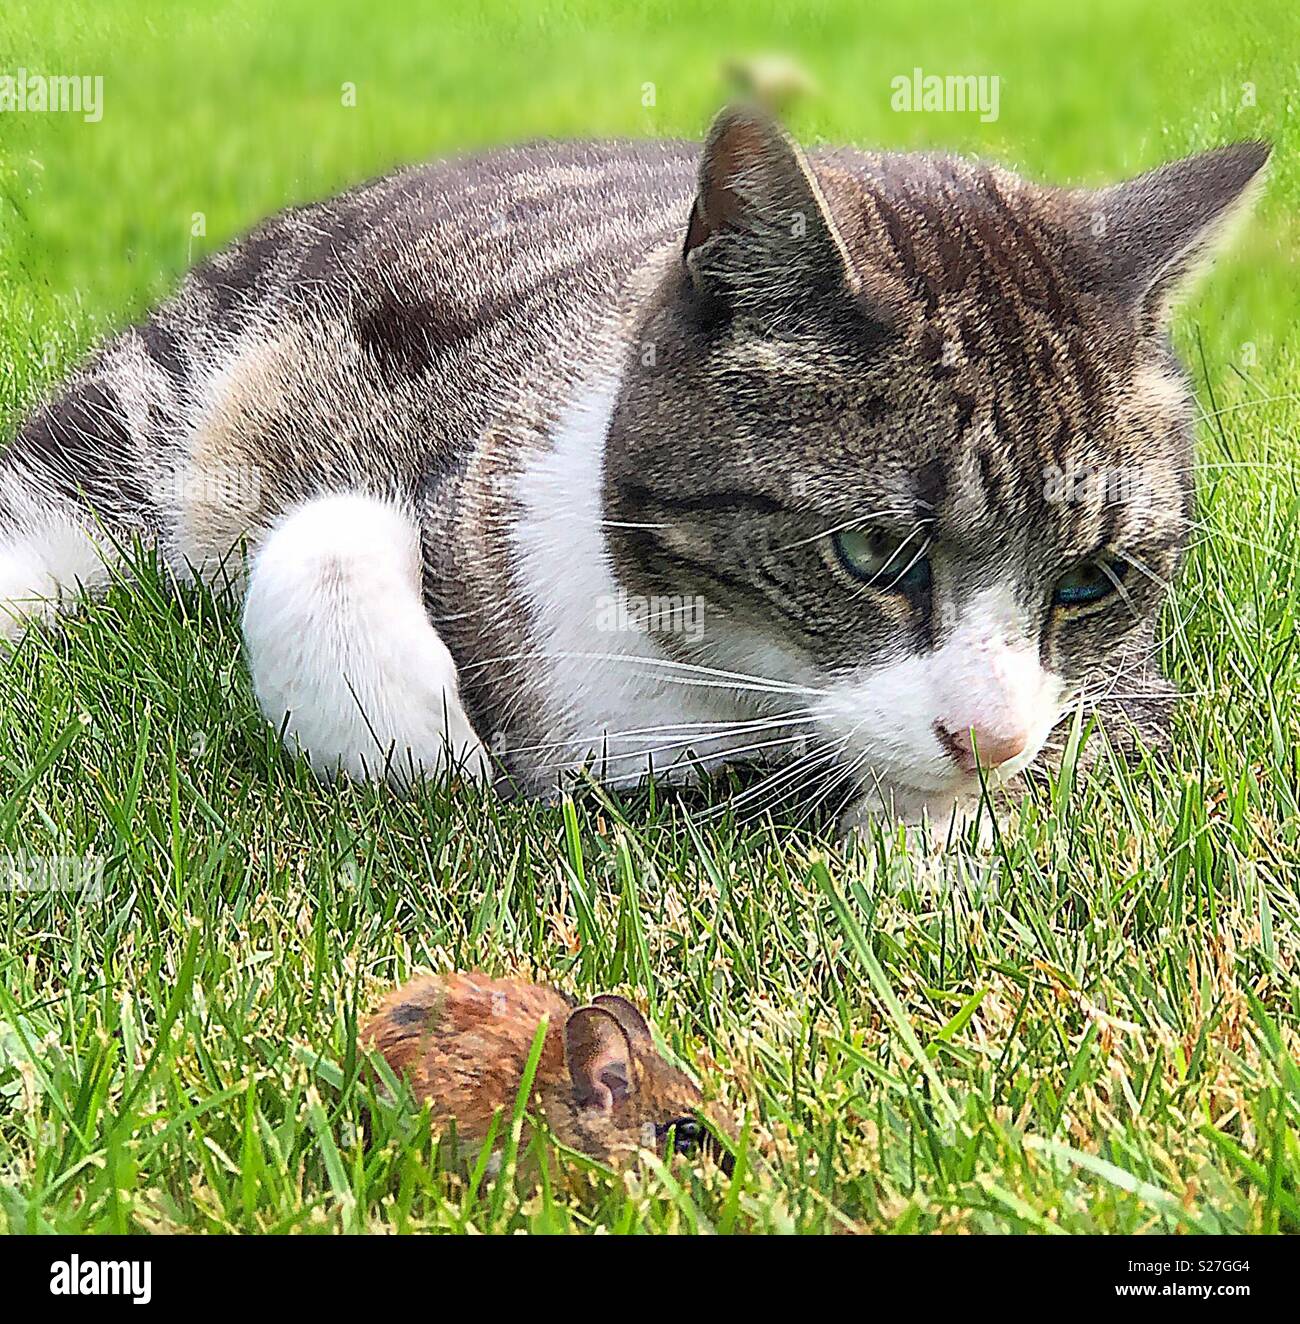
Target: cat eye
point(883, 560)
point(1089, 582)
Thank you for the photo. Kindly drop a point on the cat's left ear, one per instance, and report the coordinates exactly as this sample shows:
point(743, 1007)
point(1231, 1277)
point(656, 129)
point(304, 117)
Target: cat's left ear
point(761, 238)
point(1155, 233)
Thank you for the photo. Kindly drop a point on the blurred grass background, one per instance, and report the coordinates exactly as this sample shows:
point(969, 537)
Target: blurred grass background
point(1108, 1009)
point(234, 110)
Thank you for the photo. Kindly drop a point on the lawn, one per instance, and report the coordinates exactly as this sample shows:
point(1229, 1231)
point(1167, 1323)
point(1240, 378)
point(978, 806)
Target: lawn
point(1093, 1029)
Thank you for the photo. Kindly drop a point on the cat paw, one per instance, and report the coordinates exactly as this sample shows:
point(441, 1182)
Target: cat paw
point(343, 657)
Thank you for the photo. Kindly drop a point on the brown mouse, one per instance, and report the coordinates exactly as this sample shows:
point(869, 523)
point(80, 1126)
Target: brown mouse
point(462, 1043)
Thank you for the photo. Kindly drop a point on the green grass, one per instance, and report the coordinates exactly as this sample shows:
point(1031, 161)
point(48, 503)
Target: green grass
point(1092, 1030)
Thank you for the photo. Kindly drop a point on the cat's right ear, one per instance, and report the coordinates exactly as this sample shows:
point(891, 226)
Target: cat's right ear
point(760, 238)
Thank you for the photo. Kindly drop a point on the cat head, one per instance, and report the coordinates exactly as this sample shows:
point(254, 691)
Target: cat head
point(911, 429)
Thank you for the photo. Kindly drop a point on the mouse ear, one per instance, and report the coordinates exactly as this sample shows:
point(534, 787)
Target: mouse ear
point(625, 1013)
point(599, 1057)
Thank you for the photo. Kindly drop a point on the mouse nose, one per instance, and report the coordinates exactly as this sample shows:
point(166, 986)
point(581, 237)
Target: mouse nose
point(993, 746)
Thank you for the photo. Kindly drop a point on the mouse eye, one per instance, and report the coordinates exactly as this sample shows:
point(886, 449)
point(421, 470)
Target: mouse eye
point(686, 1134)
point(690, 1136)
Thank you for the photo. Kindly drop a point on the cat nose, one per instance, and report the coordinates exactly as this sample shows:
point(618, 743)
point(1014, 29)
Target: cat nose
point(994, 747)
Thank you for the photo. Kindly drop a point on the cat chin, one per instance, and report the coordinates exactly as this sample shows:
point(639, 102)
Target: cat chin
point(932, 821)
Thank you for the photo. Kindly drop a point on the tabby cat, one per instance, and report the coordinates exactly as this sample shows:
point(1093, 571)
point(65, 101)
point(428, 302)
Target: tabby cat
point(627, 454)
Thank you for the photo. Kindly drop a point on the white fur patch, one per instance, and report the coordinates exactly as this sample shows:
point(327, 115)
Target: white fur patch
point(339, 642)
point(51, 560)
point(984, 676)
point(612, 692)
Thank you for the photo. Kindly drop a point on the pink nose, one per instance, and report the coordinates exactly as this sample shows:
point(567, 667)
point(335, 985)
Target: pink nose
point(993, 747)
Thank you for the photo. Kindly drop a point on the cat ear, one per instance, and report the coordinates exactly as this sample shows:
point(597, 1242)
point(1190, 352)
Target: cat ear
point(599, 1058)
point(760, 235)
point(1155, 232)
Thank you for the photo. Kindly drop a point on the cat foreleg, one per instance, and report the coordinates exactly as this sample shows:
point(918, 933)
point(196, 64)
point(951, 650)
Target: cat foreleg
point(341, 650)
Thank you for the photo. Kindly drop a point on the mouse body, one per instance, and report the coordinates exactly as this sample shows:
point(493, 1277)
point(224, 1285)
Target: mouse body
point(462, 1042)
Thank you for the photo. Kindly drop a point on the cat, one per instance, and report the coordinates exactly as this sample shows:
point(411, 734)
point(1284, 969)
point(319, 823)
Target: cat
point(632, 455)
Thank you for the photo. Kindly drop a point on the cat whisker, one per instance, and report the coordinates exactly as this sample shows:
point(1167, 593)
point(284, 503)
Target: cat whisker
point(1200, 464)
point(720, 726)
point(853, 522)
point(761, 788)
point(1129, 559)
point(788, 776)
point(836, 777)
point(646, 756)
point(1118, 585)
point(1212, 534)
point(700, 733)
point(724, 679)
point(1171, 695)
point(1207, 416)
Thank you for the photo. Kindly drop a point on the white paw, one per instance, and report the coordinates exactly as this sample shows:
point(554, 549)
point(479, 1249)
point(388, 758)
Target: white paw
point(46, 567)
point(342, 653)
